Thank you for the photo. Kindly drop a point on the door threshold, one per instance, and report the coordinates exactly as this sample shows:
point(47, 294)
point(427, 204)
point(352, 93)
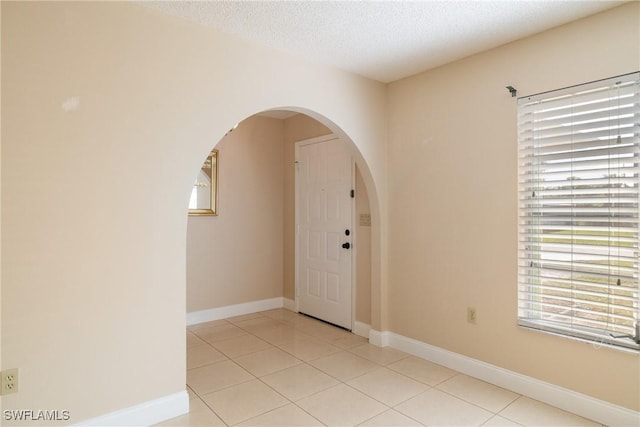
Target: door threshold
point(324, 321)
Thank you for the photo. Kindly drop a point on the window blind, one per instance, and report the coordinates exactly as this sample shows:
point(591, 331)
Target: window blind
point(579, 177)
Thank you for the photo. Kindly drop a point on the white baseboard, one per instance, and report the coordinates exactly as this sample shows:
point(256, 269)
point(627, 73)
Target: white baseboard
point(289, 304)
point(577, 403)
point(218, 313)
point(377, 338)
point(361, 329)
point(144, 414)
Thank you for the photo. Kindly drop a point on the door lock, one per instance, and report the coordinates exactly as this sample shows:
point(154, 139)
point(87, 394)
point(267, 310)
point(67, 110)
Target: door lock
point(346, 245)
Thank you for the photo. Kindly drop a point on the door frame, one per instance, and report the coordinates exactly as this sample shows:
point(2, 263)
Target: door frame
point(353, 227)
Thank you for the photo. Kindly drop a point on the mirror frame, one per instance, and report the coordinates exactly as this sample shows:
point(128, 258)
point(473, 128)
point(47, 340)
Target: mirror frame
point(211, 210)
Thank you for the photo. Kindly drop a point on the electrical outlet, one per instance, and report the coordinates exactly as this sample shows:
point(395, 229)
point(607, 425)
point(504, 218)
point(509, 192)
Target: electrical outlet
point(10, 381)
point(471, 315)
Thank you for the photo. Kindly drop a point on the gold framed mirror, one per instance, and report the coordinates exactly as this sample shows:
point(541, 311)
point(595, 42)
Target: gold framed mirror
point(204, 194)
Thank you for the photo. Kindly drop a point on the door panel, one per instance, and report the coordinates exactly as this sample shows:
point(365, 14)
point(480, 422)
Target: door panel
point(325, 171)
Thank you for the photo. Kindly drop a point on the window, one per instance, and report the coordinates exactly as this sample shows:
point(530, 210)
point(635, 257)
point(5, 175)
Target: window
point(579, 177)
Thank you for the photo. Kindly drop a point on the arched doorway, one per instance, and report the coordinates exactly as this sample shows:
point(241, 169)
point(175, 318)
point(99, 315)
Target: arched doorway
point(242, 260)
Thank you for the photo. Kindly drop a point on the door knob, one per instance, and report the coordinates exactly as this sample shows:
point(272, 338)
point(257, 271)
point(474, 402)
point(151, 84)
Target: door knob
point(346, 245)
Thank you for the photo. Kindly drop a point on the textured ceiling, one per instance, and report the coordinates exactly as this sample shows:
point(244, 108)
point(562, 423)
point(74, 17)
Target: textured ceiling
point(383, 40)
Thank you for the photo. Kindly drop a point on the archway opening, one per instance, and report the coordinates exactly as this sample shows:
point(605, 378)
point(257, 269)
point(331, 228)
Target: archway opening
point(243, 259)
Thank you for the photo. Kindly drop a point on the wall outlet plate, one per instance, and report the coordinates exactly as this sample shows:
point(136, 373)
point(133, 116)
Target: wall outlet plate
point(10, 380)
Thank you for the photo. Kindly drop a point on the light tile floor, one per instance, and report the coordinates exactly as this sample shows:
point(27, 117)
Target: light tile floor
point(278, 368)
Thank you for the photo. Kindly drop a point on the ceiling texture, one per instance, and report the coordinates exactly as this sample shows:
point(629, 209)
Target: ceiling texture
point(383, 40)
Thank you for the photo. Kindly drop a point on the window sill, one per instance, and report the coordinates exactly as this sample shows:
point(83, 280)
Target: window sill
point(629, 348)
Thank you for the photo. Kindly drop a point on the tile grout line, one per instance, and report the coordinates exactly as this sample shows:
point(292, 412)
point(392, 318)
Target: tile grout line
point(340, 381)
point(306, 362)
point(471, 403)
point(322, 337)
point(201, 397)
point(288, 400)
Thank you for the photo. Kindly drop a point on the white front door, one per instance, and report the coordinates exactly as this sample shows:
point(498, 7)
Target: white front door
point(324, 230)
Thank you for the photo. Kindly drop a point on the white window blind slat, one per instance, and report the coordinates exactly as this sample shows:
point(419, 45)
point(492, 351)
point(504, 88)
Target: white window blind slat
point(579, 208)
point(556, 158)
point(569, 130)
point(594, 176)
point(587, 114)
point(534, 228)
point(529, 152)
point(579, 251)
point(601, 134)
point(566, 283)
point(581, 114)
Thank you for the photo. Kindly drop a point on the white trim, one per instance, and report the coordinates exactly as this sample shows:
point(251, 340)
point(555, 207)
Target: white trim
point(296, 215)
point(354, 246)
point(218, 313)
point(289, 304)
point(379, 339)
point(144, 414)
point(577, 403)
point(361, 329)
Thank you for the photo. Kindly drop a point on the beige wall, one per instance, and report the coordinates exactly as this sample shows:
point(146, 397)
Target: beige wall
point(94, 199)
point(453, 203)
point(236, 257)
